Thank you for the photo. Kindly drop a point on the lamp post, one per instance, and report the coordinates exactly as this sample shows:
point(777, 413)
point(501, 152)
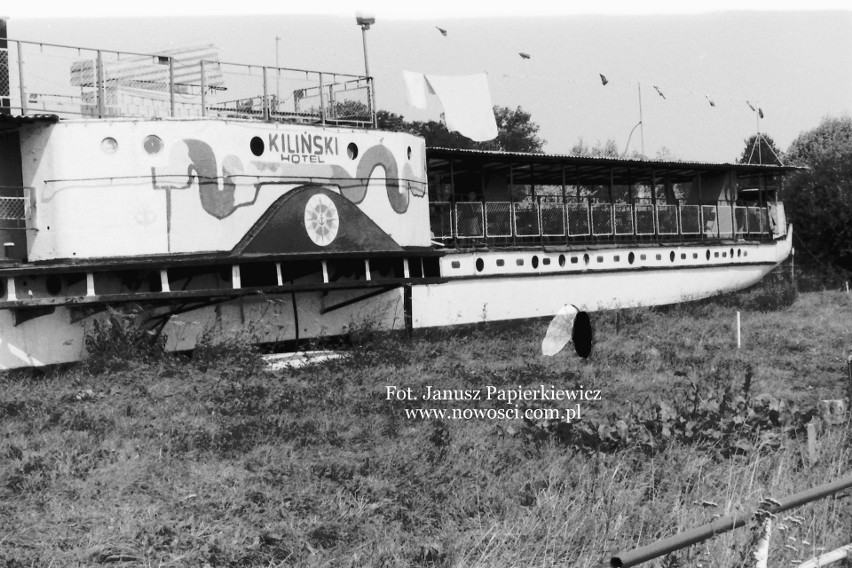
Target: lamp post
point(277, 71)
point(365, 22)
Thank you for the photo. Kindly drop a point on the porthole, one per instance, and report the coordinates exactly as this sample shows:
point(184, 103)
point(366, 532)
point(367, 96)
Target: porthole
point(695, 255)
point(616, 258)
point(745, 253)
point(586, 259)
point(561, 260)
point(152, 144)
point(574, 260)
point(352, 150)
point(732, 253)
point(672, 256)
point(535, 262)
point(739, 253)
point(600, 259)
point(456, 264)
point(109, 145)
point(409, 152)
point(480, 264)
point(708, 254)
point(716, 254)
point(659, 257)
point(724, 255)
point(631, 258)
point(256, 146)
point(545, 261)
point(683, 256)
point(500, 262)
point(520, 262)
point(642, 257)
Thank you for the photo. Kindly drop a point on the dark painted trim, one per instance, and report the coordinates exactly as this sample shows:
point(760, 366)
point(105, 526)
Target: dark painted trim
point(604, 271)
point(159, 262)
point(182, 295)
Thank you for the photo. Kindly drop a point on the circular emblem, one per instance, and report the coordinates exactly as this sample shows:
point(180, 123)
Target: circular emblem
point(321, 219)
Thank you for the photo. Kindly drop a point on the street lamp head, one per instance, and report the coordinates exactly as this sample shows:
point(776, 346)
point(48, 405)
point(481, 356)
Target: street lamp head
point(365, 21)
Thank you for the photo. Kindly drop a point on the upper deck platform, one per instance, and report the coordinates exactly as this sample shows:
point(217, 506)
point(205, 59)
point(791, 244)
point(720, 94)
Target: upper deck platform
point(77, 82)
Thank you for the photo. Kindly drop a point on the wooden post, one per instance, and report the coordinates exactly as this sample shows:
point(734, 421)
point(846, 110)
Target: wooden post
point(761, 549)
point(739, 333)
point(812, 450)
point(849, 382)
point(793, 268)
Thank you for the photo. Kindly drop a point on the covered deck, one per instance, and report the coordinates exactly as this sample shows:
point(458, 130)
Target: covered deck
point(485, 198)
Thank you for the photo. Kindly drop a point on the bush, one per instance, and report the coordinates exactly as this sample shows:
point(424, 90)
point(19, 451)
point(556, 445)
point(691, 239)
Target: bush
point(120, 341)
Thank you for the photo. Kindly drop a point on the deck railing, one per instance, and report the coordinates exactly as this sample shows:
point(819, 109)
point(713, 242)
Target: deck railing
point(14, 205)
point(41, 78)
point(472, 223)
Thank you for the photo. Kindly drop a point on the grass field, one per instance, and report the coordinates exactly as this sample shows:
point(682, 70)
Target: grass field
point(140, 459)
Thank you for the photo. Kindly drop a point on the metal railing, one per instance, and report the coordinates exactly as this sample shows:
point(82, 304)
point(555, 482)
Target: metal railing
point(15, 207)
point(81, 82)
point(723, 524)
point(501, 220)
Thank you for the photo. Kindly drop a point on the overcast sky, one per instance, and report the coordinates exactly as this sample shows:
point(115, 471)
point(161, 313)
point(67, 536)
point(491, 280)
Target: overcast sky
point(794, 64)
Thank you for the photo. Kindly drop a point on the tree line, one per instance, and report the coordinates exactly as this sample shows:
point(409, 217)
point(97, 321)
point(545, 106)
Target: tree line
point(817, 197)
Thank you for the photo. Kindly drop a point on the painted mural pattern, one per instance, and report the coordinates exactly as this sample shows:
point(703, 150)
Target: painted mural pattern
point(217, 190)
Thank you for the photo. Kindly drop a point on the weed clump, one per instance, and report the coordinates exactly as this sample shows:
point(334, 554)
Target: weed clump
point(120, 342)
point(231, 355)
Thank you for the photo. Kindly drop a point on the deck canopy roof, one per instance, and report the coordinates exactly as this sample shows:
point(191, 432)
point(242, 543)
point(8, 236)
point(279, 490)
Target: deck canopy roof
point(555, 169)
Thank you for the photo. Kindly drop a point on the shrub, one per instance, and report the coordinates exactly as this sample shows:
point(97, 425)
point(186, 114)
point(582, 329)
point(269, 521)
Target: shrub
point(120, 341)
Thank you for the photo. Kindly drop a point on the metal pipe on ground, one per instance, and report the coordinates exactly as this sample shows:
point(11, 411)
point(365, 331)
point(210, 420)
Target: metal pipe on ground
point(724, 524)
point(829, 557)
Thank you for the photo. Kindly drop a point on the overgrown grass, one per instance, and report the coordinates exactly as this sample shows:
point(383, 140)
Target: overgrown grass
point(154, 460)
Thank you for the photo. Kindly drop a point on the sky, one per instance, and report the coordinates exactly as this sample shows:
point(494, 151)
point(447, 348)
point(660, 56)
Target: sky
point(792, 60)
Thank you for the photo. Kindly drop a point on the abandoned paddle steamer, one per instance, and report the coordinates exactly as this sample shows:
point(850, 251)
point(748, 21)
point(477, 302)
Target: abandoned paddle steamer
point(221, 196)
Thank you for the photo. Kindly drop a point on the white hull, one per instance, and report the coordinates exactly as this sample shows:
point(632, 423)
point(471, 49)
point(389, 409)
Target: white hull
point(603, 284)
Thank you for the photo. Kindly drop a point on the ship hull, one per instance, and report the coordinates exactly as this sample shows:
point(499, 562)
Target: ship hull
point(478, 288)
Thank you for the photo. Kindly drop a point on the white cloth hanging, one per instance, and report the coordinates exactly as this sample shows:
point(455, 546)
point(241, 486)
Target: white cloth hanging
point(467, 104)
point(415, 88)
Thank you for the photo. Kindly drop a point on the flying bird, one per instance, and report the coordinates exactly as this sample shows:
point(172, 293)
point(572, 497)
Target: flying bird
point(709, 100)
point(659, 92)
point(751, 106)
point(604, 80)
point(442, 30)
point(760, 112)
point(524, 55)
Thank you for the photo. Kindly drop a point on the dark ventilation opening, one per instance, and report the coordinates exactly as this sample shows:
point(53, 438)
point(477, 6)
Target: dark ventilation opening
point(53, 285)
point(432, 267)
point(258, 275)
point(583, 335)
point(386, 268)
